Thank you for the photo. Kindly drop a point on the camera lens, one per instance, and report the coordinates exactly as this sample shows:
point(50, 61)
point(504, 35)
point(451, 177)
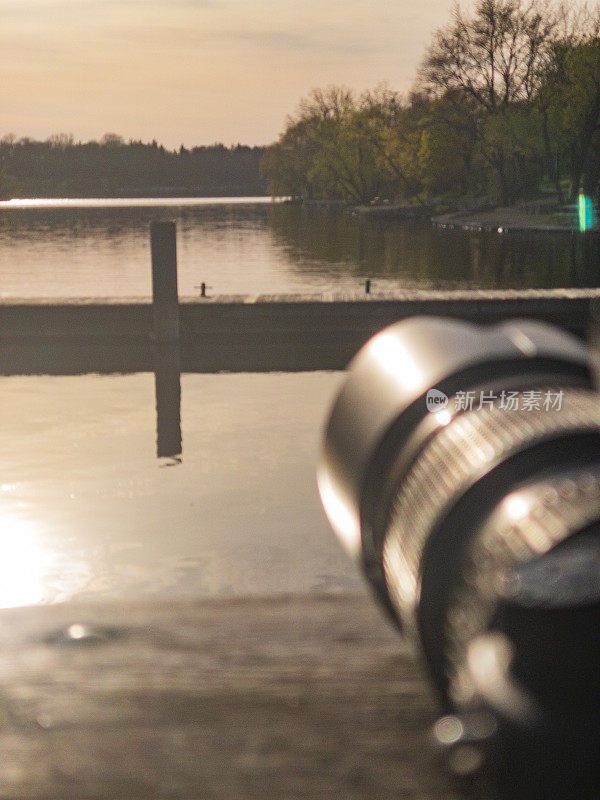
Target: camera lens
point(461, 468)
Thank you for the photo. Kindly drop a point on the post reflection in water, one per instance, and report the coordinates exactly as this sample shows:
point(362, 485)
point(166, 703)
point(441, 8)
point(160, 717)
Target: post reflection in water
point(87, 512)
point(167, 383)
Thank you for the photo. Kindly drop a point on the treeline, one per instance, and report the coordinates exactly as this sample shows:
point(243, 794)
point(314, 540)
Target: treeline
point(506, 104)
point(61, 167)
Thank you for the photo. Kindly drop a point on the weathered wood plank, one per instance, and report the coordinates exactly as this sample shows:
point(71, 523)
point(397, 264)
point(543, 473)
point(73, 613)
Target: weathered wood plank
point(298, 697)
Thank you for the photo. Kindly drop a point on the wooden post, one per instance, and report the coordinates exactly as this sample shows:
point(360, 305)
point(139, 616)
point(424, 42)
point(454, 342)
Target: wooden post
point(164, 281)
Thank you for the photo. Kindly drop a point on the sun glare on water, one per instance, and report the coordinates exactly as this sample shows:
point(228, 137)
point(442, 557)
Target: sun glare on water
point(23, 563)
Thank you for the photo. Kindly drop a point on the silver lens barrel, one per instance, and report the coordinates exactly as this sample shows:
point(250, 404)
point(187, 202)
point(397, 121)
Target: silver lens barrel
point(380, 419)
point(461, 468)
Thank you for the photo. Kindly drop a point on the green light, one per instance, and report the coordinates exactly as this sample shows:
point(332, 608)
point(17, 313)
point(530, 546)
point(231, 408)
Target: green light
point(585, 213)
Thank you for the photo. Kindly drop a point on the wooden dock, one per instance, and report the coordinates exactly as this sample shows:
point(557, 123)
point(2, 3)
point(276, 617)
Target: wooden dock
point(290, 698)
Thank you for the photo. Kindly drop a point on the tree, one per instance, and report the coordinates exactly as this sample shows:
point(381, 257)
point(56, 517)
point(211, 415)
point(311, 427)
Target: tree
point(339, 147)
point(571, 98)
point(390, 129)
point(497, 57)
point(60, 167)
point(112, 140)
point(61, 140)
point(341, 165)
point(513, 144)
point(319, 154)
point(287, 163)
point(495, 61)
point(506, 95)
point(449, 160)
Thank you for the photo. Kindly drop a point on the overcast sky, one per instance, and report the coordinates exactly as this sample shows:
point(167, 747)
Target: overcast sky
point(196, 71)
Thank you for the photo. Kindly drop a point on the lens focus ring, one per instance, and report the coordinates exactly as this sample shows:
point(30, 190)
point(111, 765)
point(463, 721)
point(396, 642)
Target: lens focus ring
point(469, 447)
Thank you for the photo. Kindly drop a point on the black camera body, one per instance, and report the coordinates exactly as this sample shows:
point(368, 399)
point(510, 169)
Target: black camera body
point(461, 469)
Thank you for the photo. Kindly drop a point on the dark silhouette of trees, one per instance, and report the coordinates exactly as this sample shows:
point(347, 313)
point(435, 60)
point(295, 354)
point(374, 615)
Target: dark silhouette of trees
point(61, 167)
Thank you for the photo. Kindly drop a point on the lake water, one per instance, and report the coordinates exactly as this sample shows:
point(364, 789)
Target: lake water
point(200, 485)
point(101, 248)
point(89, 511)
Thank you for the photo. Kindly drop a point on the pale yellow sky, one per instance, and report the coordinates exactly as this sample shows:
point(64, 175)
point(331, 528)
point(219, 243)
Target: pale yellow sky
point(196, 71)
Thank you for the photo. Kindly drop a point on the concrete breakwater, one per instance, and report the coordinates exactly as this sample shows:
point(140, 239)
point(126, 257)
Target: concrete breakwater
point(243, 333)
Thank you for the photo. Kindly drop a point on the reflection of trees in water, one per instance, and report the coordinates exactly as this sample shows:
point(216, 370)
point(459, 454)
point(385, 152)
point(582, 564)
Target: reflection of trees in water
point(122, 222)
point(321, 243)
point(335, 243)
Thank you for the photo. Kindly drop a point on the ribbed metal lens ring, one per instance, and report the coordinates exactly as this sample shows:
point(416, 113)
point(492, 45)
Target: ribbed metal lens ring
point(528, 523)
point(471, 445)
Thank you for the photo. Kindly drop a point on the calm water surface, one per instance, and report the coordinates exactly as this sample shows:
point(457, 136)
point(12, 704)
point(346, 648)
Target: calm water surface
point(101, 248)
point(88, 511)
